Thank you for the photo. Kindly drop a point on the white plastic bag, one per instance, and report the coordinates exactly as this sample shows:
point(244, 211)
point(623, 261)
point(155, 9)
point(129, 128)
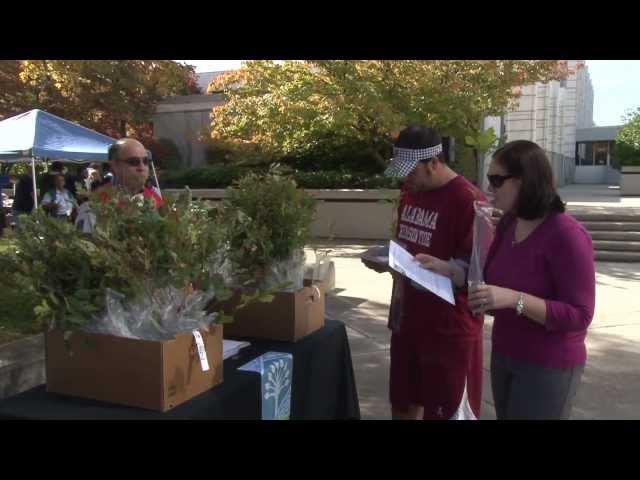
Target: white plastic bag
point(290, 272)
point(464, 411)
point(483, 233)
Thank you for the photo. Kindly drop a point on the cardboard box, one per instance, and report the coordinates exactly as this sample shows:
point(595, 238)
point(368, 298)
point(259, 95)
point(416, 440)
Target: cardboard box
point(288, 318)
point(157, 375)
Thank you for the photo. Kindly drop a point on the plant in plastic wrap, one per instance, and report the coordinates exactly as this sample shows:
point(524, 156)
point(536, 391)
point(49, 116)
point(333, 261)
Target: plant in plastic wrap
point(483, 233)
point(142, 272)
point(268, 222)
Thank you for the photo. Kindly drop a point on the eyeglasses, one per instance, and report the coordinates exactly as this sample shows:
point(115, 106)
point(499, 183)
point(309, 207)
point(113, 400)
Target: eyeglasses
point(136, 161)
point(496, 181)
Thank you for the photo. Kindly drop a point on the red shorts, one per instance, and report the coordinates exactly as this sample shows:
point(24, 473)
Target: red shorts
point(433, 374)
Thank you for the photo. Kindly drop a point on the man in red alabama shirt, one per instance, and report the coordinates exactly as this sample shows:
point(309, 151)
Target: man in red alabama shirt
point(436, 347)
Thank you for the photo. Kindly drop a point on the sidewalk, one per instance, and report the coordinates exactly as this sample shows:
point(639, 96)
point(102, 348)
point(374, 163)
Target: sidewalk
point(598, 197)
point(611, 383)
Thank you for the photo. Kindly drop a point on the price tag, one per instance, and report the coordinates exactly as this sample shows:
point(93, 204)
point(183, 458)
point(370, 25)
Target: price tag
point(202, 353)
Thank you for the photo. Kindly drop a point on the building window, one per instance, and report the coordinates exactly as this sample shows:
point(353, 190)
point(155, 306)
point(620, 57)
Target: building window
point(601, 153)
point(584, 155)
point(563, 82)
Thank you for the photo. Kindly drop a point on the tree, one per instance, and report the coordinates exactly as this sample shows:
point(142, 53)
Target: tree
point(275, 110)
point(115, 97)
point(627, 148)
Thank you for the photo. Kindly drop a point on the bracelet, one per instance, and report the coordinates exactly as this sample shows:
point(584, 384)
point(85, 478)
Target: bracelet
point(520, 304)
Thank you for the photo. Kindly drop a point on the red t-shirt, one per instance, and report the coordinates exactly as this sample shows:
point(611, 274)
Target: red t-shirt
point(150, 193)
point(439, 223)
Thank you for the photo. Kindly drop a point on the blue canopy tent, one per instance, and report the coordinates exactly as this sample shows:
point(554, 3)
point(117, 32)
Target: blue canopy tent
point(37, 135)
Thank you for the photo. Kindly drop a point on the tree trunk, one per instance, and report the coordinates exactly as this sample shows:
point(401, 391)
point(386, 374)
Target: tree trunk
point(123, 128)
point(476, 156)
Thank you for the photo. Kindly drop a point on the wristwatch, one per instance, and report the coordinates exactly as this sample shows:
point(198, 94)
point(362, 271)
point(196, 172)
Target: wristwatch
point(520, 304)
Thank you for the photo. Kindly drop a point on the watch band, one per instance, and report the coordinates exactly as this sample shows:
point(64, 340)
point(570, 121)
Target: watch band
point(520, 304)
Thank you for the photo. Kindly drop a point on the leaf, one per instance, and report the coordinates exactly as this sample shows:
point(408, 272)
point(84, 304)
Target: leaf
point(223, 318)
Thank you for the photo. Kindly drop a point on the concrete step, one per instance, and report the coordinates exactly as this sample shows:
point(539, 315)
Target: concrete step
point(21, 365)
point(616, 246)
point(621, 236)
point(605, 216)
point(617, 256)
point(612, 226)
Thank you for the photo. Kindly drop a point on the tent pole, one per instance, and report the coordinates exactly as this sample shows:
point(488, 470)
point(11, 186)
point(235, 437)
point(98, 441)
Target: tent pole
point(153, 169)
point(33, 172)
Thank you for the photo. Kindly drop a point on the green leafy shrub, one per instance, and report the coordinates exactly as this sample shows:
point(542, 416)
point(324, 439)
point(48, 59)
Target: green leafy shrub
point(134, 249)
point(627, 147)
point(267, 219)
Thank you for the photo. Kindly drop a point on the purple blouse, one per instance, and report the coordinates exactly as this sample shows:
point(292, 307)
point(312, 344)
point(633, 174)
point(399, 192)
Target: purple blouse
point(555, 263)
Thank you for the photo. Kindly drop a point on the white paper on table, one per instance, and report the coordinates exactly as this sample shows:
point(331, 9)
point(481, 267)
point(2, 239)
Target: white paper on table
point(403, 262)
point(231, 348)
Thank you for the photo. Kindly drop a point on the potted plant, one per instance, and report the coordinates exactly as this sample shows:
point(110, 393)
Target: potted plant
point(267, 224)
point(135, 289)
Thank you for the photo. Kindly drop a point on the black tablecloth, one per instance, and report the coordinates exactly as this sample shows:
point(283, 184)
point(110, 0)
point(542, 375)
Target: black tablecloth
point(323, 388)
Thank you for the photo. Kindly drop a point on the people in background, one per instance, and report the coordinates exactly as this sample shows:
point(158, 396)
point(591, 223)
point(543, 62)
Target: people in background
point(59, 202)
point(24, 199)
point(48, 182)
point(540, 288)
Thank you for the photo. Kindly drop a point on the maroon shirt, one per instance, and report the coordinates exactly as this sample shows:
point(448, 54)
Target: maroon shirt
point(439, 223)
point(555, 263)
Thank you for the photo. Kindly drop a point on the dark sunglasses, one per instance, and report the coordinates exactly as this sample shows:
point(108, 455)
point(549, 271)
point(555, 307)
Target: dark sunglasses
point(496, 181)
point(136, 161)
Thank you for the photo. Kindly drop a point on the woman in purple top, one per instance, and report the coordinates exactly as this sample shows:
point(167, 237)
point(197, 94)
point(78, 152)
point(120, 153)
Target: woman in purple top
point(540, 287)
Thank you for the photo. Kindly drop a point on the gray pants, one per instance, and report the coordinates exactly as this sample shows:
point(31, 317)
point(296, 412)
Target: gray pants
point(526, 391)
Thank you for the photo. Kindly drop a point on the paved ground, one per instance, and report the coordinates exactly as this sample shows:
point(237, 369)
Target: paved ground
point(611, 383)
point(598, 196)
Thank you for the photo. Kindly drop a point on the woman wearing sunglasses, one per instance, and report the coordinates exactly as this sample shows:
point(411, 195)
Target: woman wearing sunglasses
point(540, 287)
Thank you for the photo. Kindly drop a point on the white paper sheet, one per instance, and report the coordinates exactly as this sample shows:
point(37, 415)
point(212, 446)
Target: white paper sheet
point(403, 262)
point(231, 348)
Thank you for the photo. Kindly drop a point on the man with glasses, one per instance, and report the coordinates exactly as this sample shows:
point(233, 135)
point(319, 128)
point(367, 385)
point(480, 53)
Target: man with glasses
point(129, 163)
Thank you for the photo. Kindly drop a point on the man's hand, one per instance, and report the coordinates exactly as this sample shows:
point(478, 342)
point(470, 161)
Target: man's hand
point(52, 207)
point(375, 266)
point(434, 264)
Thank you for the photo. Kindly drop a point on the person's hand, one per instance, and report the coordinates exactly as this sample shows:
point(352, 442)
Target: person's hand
point(375, 266)
point(52, 207)
point(496, 216)
point(434, 264)
point(484, 298)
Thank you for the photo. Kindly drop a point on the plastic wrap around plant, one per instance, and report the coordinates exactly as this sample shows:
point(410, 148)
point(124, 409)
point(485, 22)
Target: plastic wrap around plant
point(321, 267)
point(288, 272)
point(157, 316)
point(483, 232)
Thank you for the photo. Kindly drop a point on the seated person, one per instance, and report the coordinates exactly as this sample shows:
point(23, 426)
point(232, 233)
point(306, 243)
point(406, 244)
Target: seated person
point(60, 202)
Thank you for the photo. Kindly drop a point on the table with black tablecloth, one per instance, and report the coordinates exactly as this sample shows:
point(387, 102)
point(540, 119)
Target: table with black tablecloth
point(323, 388)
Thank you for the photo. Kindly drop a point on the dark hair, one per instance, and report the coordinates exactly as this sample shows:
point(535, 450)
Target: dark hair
point(420, 136)
point(57, 166)
point(528, 162)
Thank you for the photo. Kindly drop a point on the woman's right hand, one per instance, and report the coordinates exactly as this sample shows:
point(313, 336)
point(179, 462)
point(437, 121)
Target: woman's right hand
point(496, 216)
